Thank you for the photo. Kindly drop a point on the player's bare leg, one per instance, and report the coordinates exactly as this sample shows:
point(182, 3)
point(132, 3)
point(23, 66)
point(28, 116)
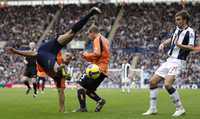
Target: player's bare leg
point(169, 80)
point(153, 95)
point(61, 96)
point(68, 36)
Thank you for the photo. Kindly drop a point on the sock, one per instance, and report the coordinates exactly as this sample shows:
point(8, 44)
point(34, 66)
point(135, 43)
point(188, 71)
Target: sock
point(171, 90)
point(123, 88)
point(35, 88)
point(76, 27)
point(43, 84)
point(27, 84)
point(128, 88)
point(38, 85)
point(176, 100)
point(93, 95)
point(153, 98)
point(81, 98)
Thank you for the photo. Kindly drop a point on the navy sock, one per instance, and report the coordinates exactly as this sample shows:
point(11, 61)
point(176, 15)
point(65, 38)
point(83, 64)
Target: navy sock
point(35, 88)
point(171, 90)
point(93, 95)
point(81, 98)
point(27, 84)
point(151, 88)
point(76, 27)
point(43, 85)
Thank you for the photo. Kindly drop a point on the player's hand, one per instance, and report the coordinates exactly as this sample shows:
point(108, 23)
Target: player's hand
point(161, 47)
point(81, 53)
point(66, 75)
point(62, 66)
point(25, 61)
point(177, 43)
point(10, 50)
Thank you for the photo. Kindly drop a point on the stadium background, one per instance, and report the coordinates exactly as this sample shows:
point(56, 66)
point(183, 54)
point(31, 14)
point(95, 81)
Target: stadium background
point(134, 28)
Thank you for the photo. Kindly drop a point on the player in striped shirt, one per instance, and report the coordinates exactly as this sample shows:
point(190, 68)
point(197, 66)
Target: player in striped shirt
point(181, 43)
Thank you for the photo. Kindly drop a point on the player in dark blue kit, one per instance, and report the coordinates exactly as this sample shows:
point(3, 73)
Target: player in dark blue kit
point(48, 55)
point(30, 71)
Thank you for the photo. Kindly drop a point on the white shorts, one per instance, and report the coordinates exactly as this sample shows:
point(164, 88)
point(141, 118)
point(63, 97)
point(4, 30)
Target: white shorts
point(125, 80)
point(171, 67)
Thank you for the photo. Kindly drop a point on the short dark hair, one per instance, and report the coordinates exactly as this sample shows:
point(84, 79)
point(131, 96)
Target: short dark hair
point(184, 14)
point(94, 29)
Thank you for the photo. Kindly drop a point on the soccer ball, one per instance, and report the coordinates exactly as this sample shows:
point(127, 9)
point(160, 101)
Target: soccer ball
point(93, 71)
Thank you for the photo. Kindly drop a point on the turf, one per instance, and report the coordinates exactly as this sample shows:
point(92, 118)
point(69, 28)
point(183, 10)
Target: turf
point(14, 104)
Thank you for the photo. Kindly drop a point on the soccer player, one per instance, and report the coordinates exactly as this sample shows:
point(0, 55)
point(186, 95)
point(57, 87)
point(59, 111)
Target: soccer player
point(181, 43)
point(30, 71)
point(48, 55)
point(99, 56)
point(126, 83)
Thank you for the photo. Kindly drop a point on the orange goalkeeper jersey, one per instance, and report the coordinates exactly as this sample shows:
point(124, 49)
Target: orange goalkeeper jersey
point(100, 54)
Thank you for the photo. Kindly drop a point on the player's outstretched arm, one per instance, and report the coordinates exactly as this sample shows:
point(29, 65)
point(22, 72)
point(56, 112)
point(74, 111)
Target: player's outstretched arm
point(21, 53)
point(164, 44)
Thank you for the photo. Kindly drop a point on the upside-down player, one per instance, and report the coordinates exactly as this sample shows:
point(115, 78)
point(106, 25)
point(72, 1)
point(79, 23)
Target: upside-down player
point(47, 55)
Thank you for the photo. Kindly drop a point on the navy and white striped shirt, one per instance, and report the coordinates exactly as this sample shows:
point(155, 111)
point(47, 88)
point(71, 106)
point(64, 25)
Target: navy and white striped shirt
point(182, 36)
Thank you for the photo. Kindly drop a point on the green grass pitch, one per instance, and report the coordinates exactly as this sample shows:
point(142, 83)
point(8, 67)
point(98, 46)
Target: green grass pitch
point(14, 104)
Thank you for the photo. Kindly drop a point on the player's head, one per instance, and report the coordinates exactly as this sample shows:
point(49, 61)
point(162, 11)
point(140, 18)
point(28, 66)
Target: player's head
point(32, 45)
point(67, 57)
point(92, 32)
point(182, 18)
point(125, 60)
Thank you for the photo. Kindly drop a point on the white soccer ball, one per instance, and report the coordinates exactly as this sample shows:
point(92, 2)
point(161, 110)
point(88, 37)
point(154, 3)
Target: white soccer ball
point(93, 71)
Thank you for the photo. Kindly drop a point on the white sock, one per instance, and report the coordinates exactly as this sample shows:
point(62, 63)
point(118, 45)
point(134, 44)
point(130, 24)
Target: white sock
point(123, 88)
point(176, 100)
point(153, 98)
point(128, 88)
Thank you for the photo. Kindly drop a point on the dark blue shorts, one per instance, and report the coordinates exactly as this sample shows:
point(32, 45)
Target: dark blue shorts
point(91, 84)
point(47, 54)
point(30, 72)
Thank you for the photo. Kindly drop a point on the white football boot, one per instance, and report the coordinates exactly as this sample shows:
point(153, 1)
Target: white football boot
point(179, 112)
point(150, 111)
